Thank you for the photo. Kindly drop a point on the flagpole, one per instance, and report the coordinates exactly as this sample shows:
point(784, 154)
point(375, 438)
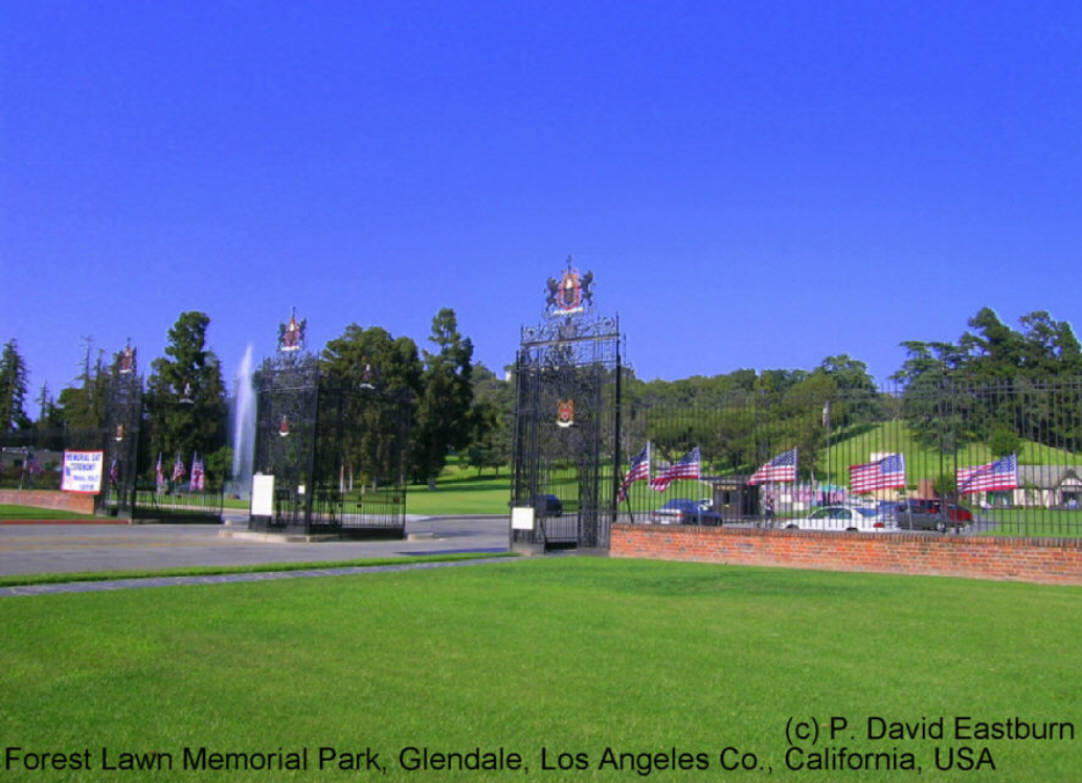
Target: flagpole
point(826, 424)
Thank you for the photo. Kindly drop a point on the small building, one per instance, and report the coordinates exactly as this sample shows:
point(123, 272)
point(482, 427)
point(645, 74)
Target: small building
point(1046, 486)
point(734, 498)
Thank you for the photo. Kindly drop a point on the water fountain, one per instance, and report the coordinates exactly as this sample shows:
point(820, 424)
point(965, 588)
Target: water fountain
point(243, 415)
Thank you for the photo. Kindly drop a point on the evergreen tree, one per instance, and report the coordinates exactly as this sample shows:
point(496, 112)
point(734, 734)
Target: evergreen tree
point(82, 405)
point(490, 420)
point(1006, 365)
point(442, 415)
point(13, 381)
point(377, 375)
point(186, 396)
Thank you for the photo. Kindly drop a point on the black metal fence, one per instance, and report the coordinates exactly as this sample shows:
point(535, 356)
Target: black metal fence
point(977, 459)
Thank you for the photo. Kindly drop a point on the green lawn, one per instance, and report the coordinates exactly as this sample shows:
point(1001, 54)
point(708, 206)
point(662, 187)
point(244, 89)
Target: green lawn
point(462, 491)
point(29, 512)
point(1036, 522)
point(566, 657)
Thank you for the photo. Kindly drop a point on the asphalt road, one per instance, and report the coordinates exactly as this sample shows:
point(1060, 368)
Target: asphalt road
point(31, 549)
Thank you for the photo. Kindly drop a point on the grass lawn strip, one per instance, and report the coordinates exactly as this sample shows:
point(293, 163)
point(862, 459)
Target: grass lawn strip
point(569, 656)
point(11, 512)
point(23, 580)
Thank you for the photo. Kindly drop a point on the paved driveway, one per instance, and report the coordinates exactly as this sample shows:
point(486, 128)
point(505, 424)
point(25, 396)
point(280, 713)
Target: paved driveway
point(29, 549)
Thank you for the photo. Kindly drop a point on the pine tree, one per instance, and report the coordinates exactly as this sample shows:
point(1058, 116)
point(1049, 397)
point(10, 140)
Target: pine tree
point(186, 396)
point(443, 421)
point(13, 384)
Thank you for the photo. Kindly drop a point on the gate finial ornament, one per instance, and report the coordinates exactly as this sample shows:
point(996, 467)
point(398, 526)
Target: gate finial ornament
point(570, 294)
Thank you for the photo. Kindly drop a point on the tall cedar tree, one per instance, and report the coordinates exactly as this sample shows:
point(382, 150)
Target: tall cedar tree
point(191, 372)
point(13, 380)
point(443, 421)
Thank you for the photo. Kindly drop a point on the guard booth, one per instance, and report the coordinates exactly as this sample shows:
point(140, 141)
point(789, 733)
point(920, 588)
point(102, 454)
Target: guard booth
point(566, 426)
point(734, 498)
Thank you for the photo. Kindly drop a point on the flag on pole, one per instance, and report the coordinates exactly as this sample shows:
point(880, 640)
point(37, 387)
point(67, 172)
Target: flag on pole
point(178, 469)
point(197, 473)
point(998, 475)
point(33, 467)
point(114, 471)
point(886, 473)
point(687, 467)
point(159, 474)
point(639, 470)
point(780, 468)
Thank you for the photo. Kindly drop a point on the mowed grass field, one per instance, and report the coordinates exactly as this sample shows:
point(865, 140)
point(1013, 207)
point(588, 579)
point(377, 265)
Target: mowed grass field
point(13, 512)
point(615, 666)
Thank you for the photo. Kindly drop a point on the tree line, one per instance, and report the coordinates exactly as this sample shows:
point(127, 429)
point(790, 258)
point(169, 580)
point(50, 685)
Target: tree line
point(461, 406)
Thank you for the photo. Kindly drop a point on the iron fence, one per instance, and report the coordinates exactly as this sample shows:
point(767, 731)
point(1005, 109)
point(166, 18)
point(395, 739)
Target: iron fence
point(973, 459)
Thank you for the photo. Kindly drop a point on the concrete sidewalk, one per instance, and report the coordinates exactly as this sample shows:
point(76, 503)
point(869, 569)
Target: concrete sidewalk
point(261, 576)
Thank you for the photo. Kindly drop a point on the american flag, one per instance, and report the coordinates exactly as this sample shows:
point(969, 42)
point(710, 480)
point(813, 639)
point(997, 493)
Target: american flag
point(639, 470)
point(179, 471)
point(687, 467)
point(887, 473)
point(1001, 474)
point(197, 472)
point(33, 467)
point(780, 468)
point(159, 474)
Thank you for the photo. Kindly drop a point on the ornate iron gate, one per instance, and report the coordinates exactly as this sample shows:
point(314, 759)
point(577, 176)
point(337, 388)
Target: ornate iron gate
point(566, 437)
point(337, 454)
point(123, 417)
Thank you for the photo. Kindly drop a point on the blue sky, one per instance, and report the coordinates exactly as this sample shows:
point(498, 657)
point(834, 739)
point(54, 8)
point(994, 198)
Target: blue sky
point(752, 184)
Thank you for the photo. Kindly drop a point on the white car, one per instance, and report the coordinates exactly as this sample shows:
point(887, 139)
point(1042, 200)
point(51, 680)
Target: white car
point(861, 520)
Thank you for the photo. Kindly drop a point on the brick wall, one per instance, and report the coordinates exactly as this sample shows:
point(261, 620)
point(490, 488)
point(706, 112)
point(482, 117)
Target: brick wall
point(46, 498)
point(1049, 561)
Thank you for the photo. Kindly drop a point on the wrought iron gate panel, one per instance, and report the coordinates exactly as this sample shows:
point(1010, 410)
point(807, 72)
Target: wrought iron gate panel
point(123, 416)
point(337, 452)
point(286, 404)
point(360, 466)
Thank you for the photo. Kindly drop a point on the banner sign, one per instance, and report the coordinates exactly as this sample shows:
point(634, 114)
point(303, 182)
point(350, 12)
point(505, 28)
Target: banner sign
point(82, 472)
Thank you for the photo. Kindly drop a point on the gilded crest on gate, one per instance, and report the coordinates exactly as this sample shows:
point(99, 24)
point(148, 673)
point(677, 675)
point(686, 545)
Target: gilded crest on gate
point(565, 413)
point(291, 333)
point(570, 294)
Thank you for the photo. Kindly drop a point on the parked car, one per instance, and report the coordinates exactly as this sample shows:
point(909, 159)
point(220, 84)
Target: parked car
point(927, 514)
point(685, 511)
point(548, 506)
point(863, 520)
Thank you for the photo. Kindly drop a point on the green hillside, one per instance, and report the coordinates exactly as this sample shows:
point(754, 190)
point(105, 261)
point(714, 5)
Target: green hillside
point(921, 461)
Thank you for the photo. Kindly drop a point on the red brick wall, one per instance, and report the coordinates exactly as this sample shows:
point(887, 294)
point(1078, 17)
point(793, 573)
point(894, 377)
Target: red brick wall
point(1051, 561)
point(46, 498)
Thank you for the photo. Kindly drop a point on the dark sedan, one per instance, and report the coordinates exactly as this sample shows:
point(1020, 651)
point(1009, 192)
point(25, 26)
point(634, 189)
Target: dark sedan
point(685, 511)
point(925, 514)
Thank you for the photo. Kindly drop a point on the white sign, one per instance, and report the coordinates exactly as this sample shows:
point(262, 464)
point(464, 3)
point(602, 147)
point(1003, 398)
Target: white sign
point(522, 518)
point(82, 472)
point(262, 495)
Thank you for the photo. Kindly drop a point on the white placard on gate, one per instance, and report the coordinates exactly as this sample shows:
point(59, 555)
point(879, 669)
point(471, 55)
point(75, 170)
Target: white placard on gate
point(262, 495)
point(522, 518)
